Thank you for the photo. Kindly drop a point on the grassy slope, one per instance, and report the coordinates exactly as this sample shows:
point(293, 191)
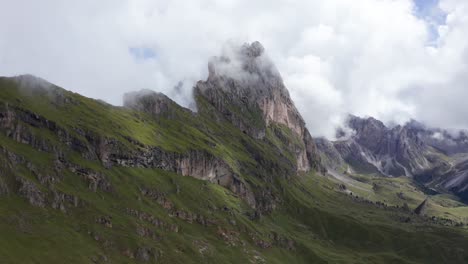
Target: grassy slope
point(401, 190)
point(326, 224)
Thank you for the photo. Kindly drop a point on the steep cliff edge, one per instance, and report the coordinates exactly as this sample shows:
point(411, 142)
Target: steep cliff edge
point(247, 89)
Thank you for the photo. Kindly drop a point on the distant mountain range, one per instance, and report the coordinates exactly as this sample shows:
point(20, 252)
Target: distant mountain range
point(433, 157)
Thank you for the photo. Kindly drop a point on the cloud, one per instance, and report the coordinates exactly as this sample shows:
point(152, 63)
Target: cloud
point(391, 59)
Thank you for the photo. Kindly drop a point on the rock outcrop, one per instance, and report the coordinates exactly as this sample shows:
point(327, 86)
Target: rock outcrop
point(198, 164)
point(422, 208)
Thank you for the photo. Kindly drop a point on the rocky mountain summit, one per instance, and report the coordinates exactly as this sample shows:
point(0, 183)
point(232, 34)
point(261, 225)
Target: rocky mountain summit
point(244, 88)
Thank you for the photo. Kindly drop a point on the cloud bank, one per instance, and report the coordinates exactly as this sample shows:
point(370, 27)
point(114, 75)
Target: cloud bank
point(391, 59)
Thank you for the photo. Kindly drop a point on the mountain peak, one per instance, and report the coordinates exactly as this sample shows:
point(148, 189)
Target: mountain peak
point(247, 89)
point(249, 66)
point(390, 151)
point(249, 81)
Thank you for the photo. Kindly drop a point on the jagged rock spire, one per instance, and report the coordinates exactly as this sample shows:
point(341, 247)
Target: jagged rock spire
point(421, 209)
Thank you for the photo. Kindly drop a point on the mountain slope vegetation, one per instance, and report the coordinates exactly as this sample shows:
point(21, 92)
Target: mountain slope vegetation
point(82, 181)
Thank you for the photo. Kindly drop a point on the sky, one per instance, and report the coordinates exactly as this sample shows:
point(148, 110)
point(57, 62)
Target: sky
point(391, 59)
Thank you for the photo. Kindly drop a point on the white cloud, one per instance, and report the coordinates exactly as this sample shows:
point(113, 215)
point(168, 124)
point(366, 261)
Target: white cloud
point(367, 57)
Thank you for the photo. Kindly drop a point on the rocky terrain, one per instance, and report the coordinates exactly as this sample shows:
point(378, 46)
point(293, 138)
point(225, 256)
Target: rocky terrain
point(248, 90)
point(238, 181)
point(432, 157)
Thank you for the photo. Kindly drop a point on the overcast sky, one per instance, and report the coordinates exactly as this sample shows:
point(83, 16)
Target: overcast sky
point(391, 59)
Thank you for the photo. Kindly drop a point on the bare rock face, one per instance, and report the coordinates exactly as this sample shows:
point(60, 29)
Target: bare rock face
point(247, 89)
point(251, 82)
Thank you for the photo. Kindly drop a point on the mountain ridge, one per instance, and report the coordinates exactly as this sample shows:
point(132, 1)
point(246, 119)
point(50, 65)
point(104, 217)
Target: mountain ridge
point(409, 150)
point(106, 184)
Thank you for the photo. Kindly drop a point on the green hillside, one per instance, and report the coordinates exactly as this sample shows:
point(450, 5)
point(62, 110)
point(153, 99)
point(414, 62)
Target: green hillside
point(61, 202)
